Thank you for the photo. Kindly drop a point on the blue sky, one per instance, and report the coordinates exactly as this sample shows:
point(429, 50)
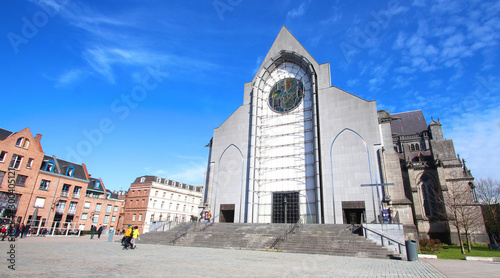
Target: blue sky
point(136, 87)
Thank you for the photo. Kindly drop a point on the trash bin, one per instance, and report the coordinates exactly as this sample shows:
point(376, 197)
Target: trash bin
point(411, 250)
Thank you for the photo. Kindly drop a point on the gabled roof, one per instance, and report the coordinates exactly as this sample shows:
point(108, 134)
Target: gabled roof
point(286, 41)
point(4, 134)
point(408, 123)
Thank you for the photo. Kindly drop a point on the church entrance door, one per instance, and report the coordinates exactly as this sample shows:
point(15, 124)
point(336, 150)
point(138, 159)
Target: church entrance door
point(286, 207)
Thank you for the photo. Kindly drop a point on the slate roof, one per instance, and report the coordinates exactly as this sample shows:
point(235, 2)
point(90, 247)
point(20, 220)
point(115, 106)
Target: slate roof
point(4, 134)
point(63, 165)
point(93, 185)
point(412, 122)
point(112, 195)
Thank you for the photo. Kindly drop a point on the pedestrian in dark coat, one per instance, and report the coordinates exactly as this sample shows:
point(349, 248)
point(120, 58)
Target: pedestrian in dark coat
point(92, 231)
point(99, 232)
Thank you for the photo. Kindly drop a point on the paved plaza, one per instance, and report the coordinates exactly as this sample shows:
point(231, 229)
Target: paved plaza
point(82, 257)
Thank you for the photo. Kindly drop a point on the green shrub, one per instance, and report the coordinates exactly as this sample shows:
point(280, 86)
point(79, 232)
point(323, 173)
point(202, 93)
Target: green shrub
point(430, 245)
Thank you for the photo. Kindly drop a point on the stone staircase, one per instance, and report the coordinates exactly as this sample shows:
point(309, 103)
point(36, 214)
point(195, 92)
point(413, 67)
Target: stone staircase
point(325, 239)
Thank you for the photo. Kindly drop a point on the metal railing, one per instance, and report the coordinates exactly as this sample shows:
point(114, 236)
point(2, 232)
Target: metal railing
point(182, 232)
point(382, 237)
point(160, 226)
point(211, 223)
point(283, 237)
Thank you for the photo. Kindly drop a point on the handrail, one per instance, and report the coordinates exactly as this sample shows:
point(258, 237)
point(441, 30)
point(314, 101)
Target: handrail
point(209, 224)
point(185, 229)
point(382, 237)
point(283, 237)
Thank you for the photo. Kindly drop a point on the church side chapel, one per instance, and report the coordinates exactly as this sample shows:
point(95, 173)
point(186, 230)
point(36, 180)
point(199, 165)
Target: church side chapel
point(300, 149)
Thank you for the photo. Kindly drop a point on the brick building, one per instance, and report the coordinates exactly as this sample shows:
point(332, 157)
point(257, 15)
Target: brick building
point(151, 200)
point(51, 192)
point(20, 158)
point(101, 207)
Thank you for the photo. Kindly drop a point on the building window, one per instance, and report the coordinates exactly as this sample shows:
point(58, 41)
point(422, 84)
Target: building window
point(44, 185)
point(140, 217)
point(26, 144)
point(184, 208)
point(115, 209)
point(154, 203)
point(30, 163)
point(65, 190)
point(72, 208)
point(162, 204)
point(21, 180)
point(16, 161)
point(70, 170)
point(143, 179)
point(113, 218)
point(164, 194)
point(84, 216)
point(76, 192)
point(2, 156)
point(417, 147)
point(177, 207)
point(156, 193)
point(86, 205)
point(39, 202)
point(108, 208)
point(152, 217)
point(98, 208)
point(48, 165)
point(133, 218)
point(97, 184)
point(60, 207)
point(19, 141)
point(172, 196)
point(412, 147)
point(95, 219)
point(2, 174)
point(106, 219)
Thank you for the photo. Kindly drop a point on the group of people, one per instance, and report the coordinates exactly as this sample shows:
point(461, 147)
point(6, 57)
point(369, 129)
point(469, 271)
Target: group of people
point(128, 241)
point(93, 230)
point(14, 230)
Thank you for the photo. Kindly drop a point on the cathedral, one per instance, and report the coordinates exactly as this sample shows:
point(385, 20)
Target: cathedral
point(300, 149)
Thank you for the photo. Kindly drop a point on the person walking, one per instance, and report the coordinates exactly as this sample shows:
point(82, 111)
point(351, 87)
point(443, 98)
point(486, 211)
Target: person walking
point(127, 238)
point(135, 235)
point(92, 231)
point(99, 232)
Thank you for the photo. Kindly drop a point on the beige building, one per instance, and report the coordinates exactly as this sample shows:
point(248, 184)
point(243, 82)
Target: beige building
point(154, 200)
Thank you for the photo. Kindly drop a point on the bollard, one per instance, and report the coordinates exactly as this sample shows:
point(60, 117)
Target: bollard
point(110, 236)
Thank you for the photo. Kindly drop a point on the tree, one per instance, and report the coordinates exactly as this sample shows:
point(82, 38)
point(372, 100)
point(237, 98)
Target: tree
point(462, 212)
point(488, 194)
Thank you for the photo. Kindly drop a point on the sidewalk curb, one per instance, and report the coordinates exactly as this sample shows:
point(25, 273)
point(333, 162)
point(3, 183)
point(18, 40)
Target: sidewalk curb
point(482, 259)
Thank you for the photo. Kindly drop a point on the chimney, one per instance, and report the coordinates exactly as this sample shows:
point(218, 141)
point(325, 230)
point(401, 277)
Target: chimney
point(38, 138)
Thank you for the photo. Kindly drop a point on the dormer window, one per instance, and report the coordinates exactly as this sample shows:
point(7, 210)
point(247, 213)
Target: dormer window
point(70, 170)
point(97, 184)
point(2, 156)
point(19, 142)
point(158, 180)
point(26, 144)
point(48, 165)
point(143, 179)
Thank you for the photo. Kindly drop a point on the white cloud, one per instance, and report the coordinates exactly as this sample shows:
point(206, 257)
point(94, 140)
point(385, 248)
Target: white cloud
point(70, 77)
point(297, 12)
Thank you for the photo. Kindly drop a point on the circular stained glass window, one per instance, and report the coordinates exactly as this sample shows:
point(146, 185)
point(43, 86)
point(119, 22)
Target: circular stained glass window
point(286, 95)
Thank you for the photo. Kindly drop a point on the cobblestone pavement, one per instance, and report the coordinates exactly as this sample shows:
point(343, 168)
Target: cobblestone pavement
point(82, 257)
